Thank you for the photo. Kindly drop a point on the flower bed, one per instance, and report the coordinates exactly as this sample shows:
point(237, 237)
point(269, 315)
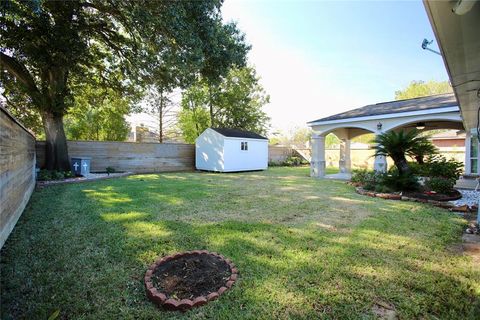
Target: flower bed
point(413, 197)
point(191, 279)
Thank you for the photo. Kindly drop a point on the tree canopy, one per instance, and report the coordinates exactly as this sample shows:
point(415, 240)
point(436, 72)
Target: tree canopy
point(422, 89)
point(49, 46)
point(237, 102)
point(98, 114)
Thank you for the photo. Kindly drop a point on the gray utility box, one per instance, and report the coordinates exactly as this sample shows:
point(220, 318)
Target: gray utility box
point(81, 166)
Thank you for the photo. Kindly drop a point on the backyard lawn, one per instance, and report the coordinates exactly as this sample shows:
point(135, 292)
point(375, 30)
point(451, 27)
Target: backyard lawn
point(305, 248)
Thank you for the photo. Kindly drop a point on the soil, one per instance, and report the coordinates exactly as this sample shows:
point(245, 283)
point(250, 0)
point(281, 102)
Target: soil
point(191, 276)
point(453, 195)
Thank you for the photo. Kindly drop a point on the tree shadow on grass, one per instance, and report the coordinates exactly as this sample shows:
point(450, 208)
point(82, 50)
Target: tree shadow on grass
point(88, 257)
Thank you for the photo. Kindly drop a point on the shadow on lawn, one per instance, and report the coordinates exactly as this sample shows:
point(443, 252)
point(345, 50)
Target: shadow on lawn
point(310, 272)
point(291, 272)
point(90, 258)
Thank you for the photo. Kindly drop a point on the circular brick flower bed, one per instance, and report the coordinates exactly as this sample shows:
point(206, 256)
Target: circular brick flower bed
point(189, 279)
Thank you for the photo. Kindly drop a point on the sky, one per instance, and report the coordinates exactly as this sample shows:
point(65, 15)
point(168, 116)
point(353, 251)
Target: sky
point(318, 58)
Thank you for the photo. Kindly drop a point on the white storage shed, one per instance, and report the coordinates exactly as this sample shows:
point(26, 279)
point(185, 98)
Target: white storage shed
point(230, 150)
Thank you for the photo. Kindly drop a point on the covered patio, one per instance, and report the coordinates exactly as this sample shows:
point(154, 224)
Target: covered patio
point(425, 113)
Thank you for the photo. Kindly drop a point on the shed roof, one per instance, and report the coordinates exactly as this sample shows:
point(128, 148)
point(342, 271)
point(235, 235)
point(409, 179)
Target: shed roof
point(236, 133)
point(398, 106)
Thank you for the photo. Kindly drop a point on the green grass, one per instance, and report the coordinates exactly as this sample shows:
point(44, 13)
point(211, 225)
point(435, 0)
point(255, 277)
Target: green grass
point(332, 170)
point(305, 248)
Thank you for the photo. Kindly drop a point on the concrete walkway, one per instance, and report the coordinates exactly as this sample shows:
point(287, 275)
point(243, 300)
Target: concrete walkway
point(339, 176)
point(466, 183)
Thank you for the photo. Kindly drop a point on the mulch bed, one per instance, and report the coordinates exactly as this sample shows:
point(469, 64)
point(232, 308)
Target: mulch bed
point(453, 195)
point(191, 276)
point(189, 279)
point(432, 199)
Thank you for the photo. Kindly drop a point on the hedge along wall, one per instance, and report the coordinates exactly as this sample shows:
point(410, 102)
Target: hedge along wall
point(129, 156)
point(17, 171)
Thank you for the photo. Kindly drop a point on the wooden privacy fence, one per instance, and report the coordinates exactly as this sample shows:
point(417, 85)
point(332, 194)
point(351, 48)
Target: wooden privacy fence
point(142, 157)
point(129, 156)
point(17, 171)
point(278, 154)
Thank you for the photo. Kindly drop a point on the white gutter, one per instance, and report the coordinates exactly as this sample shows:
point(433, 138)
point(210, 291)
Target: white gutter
point(387, 116)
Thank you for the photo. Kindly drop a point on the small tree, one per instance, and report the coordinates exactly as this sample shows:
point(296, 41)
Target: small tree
point(162, 106)
point(399, 145)
point(422, 150)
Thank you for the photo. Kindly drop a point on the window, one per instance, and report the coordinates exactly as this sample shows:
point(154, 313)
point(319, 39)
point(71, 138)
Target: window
point(244, 146)
point(474, 154)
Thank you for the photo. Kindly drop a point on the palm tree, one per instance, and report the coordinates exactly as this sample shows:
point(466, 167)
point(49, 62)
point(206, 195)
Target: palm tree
point(423, 149)
point(398, 145)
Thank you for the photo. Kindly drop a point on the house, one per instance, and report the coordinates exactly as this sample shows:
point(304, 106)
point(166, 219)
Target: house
point(456, 26)
point(230, 150)
point(424, 113)
point(449, 139)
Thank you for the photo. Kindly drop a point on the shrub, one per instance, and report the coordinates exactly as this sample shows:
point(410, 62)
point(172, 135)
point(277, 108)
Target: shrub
point(274, 164)
point(358, 175)
point(441, 173)
point(382, 188)
point(368, 179)
point(438, 166)
point(292, 161)
point(58, 175)
point(440, 185)
point(68, 174)
point(396, 182)
point(416, 168)
point(45, 175)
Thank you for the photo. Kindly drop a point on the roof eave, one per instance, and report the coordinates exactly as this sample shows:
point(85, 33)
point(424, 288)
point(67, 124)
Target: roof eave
point(385, 116)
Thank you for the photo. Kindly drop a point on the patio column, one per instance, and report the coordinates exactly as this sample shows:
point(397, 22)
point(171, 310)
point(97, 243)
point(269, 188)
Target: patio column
point(345, 163)
point(380, 163)
point(317, 163)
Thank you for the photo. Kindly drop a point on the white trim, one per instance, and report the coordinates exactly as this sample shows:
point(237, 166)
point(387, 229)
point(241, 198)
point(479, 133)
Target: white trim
point(387, 116)
point(244, 139)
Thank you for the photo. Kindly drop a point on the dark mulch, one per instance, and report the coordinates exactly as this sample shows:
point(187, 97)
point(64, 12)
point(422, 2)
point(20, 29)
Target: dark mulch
point(191, 276)
point(453, 195)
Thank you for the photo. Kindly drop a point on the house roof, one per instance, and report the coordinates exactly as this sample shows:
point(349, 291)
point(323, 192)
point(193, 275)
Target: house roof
point(236, 133)
point(398, 106)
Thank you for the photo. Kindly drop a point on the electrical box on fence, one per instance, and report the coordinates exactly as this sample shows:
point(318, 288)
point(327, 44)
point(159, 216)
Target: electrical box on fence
point(81, 166)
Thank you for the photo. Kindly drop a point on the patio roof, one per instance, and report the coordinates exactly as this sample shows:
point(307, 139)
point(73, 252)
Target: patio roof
point(458, 39)
point(395, 107)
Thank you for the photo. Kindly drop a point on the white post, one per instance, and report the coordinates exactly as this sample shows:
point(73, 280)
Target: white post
point(317, 164)
point(380, 163)
point(345, 163)
point(468, 141)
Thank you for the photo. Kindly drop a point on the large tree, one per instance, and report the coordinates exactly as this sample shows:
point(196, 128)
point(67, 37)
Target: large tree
point(422, 89)
point(49, 45)
point(237, 102)
point(98, 114)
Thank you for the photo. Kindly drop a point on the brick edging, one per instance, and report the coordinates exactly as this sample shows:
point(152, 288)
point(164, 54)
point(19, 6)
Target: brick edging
point(160, 298)
point(394, 196)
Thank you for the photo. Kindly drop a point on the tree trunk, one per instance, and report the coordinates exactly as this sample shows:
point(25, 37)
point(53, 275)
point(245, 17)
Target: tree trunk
point(56, 152)
point(402, 165)
point(419, 159)
point(160, 119)
point(210, 105)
